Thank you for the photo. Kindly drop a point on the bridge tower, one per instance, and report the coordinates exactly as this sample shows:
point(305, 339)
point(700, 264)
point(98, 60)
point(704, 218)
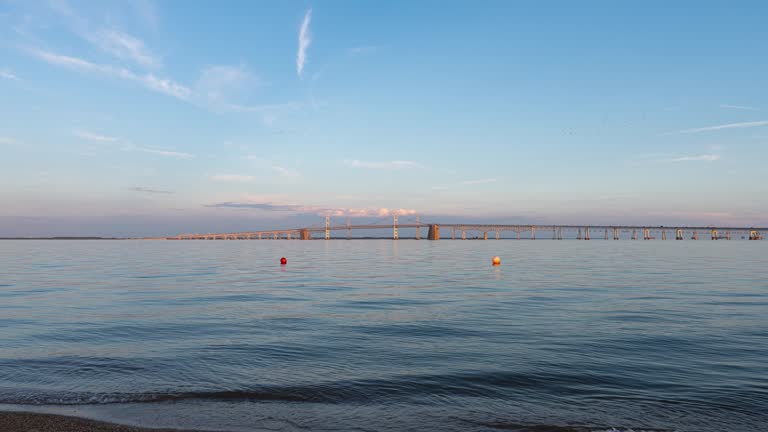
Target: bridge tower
point(395, 234)
point(304, 234)
point(327, 227)
point(679, 234)
point(434, 232)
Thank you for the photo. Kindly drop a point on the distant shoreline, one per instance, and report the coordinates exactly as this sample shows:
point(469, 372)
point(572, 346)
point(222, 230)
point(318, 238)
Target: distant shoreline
point(62, 238)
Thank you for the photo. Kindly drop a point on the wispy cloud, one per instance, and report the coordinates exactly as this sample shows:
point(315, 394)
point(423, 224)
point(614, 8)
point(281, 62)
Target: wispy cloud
point(286, 172)
point(93, 136)
point(317, 210)
point(151, 191)
point(739, 107)
point(479, 181)
point(7, 74)
point(367, 49)
point(8, 140)
point(699, 158)
point(179, 155)
point(304, 41)
point(239, 178)
point(725, 126)
point(149, 81)
point(396, 164)
point(125, 47)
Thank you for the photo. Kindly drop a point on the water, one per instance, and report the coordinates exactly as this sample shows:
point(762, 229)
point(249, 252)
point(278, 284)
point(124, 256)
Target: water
point(389, 336)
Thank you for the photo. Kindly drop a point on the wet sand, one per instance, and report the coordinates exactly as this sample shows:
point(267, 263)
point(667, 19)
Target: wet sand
point(33, 422)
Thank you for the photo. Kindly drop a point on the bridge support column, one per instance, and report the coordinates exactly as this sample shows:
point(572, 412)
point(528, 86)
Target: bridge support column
point(695, 235)
point(606, 234)
point(559, 233)
point(663, 234)
point(485, 235)
point(463, 235)
point(634, 234)
point(679, 234)
point(646, 234)
point(727, 235)
point(434, 232)
point(327, 227)
point(418, 229)
point(453, 233)
point(578, 236)
point(615, 233)
point(395, 233)
point(518, 233)
point(755, 235)
point(715, 235)
point(586, 233)
point(533, 233)
point(305, 234)
point(498, 235)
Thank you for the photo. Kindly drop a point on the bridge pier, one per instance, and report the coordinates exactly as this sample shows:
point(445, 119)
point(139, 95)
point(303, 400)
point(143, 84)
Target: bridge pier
point(463, 235)
point(533, 232)
point(695, 235)
point(615, 233)
point(434, 232)
point(586, 233)
point(755, 235)
point(715, 235)
point(578, 236)
point(679, 234)
point(663, 234)
point(634, 234)
point(498, 234)
point(485, 235)
point(646, 234)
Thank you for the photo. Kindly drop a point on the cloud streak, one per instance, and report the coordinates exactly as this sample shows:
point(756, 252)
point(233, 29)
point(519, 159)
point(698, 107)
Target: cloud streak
point(479, 181)
point(178, 155)
point(6, 74)
point(741, 125)
point(739, 107)
point(149, 81)
point(125, 47)
point(697, 158)
point(304, 41)
point(90, 136)
point(237, 178)
point(308, 209)
point(151, 191)
point(396, 164)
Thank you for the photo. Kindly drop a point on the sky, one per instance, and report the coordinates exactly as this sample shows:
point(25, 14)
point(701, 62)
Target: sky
point(142, 118)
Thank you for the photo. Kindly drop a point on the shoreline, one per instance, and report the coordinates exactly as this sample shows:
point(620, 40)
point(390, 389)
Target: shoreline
point(25, 421)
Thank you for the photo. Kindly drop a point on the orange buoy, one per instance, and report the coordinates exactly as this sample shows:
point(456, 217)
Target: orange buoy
point(496, 260)
point(283, 261)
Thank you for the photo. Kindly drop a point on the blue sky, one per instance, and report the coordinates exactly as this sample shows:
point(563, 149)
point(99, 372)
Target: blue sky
point(150, 117)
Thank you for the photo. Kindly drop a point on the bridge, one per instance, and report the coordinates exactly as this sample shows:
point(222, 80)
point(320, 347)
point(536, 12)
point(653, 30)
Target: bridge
point(482, 231)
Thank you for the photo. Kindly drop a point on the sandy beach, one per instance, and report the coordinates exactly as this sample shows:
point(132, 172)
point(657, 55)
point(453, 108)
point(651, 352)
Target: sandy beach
point(33, 422)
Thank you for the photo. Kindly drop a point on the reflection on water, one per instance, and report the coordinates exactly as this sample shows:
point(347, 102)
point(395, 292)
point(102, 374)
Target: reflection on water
point(382, 335)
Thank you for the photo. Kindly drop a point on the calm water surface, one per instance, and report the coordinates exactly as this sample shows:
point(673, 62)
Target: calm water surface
point(389, 336)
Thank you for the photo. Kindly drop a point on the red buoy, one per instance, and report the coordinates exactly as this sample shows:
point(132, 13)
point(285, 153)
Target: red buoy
point(283, 261)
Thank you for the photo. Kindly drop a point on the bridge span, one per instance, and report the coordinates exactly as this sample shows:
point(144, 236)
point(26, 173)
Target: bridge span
point(482, 231)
